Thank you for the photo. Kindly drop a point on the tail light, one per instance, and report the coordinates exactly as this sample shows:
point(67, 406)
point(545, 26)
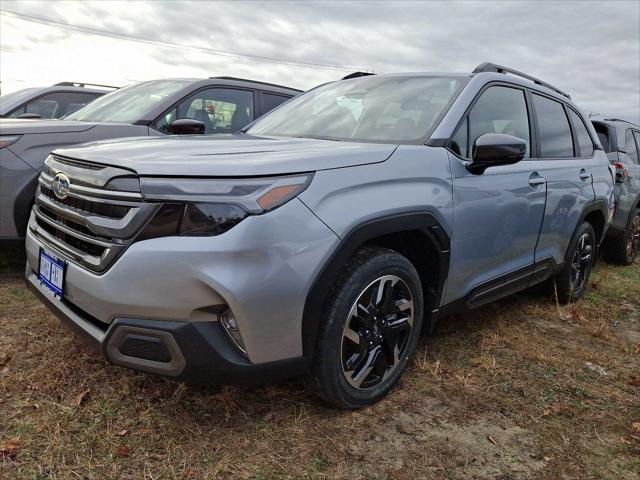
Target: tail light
point(621, 172)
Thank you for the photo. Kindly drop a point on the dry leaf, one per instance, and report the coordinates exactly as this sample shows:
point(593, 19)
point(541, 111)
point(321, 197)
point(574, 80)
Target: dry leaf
point(81, 396)
point(546, 459)
point(122, 433)
point(634, 381)
point(555, 408)
point(9, 449)
point(490, 438)
point(122, 451)
point(636, 426)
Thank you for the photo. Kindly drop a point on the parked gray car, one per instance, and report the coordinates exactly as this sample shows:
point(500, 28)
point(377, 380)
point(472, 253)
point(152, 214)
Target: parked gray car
point(158, 107)
point(50, 102)
point(325, 237)
point(621, 141)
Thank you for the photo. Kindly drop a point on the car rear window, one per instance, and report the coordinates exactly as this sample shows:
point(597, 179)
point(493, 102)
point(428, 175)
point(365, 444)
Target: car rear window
point(582, 134)
point(554, 130)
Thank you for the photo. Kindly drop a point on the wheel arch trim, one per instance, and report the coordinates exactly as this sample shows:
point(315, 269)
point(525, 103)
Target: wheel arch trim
point(423, 221)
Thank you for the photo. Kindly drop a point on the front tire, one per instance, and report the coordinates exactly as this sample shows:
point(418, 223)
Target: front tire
point(372, 325)
point(624, 249)
point(572, 282)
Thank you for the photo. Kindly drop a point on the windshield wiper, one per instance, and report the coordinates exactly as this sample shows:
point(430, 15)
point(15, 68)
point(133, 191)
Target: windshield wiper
point(318, 138)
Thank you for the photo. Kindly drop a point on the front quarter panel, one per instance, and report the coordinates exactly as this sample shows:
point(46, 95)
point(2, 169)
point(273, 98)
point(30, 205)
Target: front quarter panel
point(413, 179)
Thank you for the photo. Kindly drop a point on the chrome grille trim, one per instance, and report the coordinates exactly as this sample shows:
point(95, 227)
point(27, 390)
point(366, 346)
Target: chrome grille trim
point(122, 228)
point(82, 230)
point(80, 190)
point(83, 173)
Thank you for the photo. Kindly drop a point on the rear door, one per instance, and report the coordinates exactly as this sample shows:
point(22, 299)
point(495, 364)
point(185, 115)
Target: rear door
point(568, 170)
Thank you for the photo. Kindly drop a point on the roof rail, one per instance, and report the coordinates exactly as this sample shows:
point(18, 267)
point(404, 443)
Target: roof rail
point(619, 120)
point(492, 67)
point(83, 85)
point(256, 81)
point(356, 75)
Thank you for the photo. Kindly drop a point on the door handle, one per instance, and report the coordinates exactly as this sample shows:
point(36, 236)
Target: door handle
point(535, 180)
point(584, 175)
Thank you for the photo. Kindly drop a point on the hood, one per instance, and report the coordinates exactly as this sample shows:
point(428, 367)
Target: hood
point(17, 126)
point(228, 155)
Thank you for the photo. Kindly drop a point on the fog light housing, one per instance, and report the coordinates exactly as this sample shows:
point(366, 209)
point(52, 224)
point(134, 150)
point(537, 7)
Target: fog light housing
point(230, 326)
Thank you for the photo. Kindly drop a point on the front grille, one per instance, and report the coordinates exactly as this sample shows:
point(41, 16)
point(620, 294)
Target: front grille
point(77, 227)
point(92, 225)
point(76, 243)
point(95, 208)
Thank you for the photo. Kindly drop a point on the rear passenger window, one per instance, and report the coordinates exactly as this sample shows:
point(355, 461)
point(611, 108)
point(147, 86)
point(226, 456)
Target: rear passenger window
point(555, 133)
point(584, 139)
point(271, 101)
point(630, 144)
point(498, 110)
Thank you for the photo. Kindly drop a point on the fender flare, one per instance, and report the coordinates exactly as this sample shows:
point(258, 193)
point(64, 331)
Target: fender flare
point(601, 206)
point(636, 205)
point(423, 221)
point(22, 204)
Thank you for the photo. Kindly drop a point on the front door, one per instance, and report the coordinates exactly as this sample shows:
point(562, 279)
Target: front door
point(497, 215)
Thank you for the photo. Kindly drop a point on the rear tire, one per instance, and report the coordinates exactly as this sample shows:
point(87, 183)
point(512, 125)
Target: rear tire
point(372, 325)
point(572, 281)
point(624, 249)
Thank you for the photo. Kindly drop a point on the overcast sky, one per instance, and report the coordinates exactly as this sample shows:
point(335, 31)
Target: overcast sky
point(589, 49)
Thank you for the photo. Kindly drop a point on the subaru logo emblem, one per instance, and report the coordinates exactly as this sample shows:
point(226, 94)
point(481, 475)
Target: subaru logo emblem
point(61, 185)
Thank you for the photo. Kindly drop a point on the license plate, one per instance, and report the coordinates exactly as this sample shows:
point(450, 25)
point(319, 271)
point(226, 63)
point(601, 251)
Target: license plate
point(51, 272)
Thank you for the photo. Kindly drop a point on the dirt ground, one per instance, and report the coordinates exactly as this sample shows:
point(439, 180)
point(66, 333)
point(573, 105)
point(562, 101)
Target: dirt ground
point(520, 389)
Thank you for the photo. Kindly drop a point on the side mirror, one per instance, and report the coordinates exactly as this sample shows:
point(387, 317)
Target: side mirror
point(30, 115)
point(493, 149)
point(186, 126)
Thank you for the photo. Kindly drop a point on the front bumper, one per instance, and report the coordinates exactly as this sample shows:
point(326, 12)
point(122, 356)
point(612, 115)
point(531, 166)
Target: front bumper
point(192, 352)
point(261, 269)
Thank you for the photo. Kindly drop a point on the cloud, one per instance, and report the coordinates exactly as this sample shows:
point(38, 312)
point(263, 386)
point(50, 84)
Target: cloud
point(589, 49)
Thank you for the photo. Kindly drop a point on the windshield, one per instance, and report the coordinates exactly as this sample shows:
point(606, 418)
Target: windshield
point(128, 104)
point(394, 109)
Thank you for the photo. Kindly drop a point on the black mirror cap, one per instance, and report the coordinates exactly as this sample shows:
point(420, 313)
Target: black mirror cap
point(186, 126)
point(493, 149)
point(30, 115)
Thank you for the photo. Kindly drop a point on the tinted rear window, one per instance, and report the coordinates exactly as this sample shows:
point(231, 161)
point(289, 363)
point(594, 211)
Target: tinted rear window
point(582, 134)
point(271, 101)
point(554, 130)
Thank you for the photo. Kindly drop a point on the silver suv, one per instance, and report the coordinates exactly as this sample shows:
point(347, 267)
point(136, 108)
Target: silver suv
point(325, 237)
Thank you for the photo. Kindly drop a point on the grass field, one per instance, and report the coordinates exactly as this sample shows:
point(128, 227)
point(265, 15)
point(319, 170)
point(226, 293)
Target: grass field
point(521, 389)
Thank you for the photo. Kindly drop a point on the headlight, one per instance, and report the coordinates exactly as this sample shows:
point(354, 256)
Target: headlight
point(6, 140)
point(214, 206)
point(210, 218)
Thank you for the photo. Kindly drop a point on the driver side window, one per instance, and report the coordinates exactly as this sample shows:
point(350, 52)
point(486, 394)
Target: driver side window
point(222, 110)
point(498, 110)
